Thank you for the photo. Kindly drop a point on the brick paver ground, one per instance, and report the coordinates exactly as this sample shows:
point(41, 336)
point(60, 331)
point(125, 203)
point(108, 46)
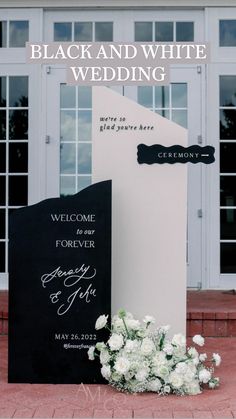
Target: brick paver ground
point(94, 401)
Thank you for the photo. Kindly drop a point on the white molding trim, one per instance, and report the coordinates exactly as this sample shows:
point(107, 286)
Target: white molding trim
point(117, 4)
point(3, 282)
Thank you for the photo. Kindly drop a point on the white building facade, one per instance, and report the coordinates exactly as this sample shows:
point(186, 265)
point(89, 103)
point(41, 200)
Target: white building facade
point(45, 126)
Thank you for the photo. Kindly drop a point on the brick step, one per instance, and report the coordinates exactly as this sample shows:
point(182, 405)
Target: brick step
point(211, 324)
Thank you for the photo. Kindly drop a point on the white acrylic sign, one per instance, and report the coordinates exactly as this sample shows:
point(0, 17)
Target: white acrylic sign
point(149, 214)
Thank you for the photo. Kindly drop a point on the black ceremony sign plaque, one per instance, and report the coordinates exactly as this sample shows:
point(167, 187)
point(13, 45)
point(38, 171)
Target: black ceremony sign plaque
point(59, 283)
point(160, 154)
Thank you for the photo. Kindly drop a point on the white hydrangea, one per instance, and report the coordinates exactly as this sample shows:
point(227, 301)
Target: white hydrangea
point(122, 365)
point(204, 376)
point(132, 324)
point(179, 340)
point(161, 371)
point(203, 357)
point(154, 385)
point(101, 322)
point(131, 345)
point(149, 320)
point(168, 349)
point(216, 359)
point(142, 374)
point(181, 368)
point(104, 356)
point(106, 371)
point(176, 380)
point(159, 358)
point(199, 340)
point(193, 388)
point(116, 341)
point(194, 355)
point(147, 346)
point(91, 356)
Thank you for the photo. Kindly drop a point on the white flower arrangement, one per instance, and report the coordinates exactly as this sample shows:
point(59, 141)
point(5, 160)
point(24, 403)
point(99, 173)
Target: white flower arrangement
point(138, 358)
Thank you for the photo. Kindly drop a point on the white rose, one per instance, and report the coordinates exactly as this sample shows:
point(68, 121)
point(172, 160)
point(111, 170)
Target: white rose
point(181, 368)
point(202, 357)
point(132, 324)
point(204, 376)
point(149, 320)
point(179, 340)
point(104, 356)
point(164, 329)
point(176, 380)
point(116, 341)
point(100, 346)
point(159, 358)
point(131, 345)
point(101, 322)
point(154, 385)
point(147, 346)
point(193, 388)
point(167, 389)
point(106, 371)
point(122, 365)
point(168, 349)
point(216, 359)
point(142, 374)
point(91, 356)
point(199, 340)
point(117, 324)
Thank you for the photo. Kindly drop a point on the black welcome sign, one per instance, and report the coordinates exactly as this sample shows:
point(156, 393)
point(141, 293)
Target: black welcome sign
point(160, 154)
point(59, 283)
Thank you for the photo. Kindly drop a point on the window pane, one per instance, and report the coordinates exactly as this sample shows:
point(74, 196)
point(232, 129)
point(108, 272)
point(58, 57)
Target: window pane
point(227, 90)
point(83, 31)
point(228, 191)
point(85, 126)
point(84, 97)
point(3, 34)
point(228, 259)
point(2, 158)
point(67, 96)
point(18, 157)
point(18, 125)
point(143, 31)
point(164, 31)
point(2, 190)
point(228, 224)
point(180, 118)
point(18, 190)
point(19, 33)
point(145, 95)
point(227, 33)
point(103, 31)
point(84, 182)
point(179, 95)
point(2, 257)
point(68, 158)
point(63, 31)
point(2, 125)
point(184, 32)
point(3, 92)
point(2, 224)
point(228, 124)
point(84, 158)
point(18, 91)
point(68, 131)
point(163, 112)
point(227, 158)
point(67, 186)
point(162, 97)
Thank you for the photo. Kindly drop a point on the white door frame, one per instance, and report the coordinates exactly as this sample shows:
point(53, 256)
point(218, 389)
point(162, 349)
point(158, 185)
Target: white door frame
point(215, 278)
